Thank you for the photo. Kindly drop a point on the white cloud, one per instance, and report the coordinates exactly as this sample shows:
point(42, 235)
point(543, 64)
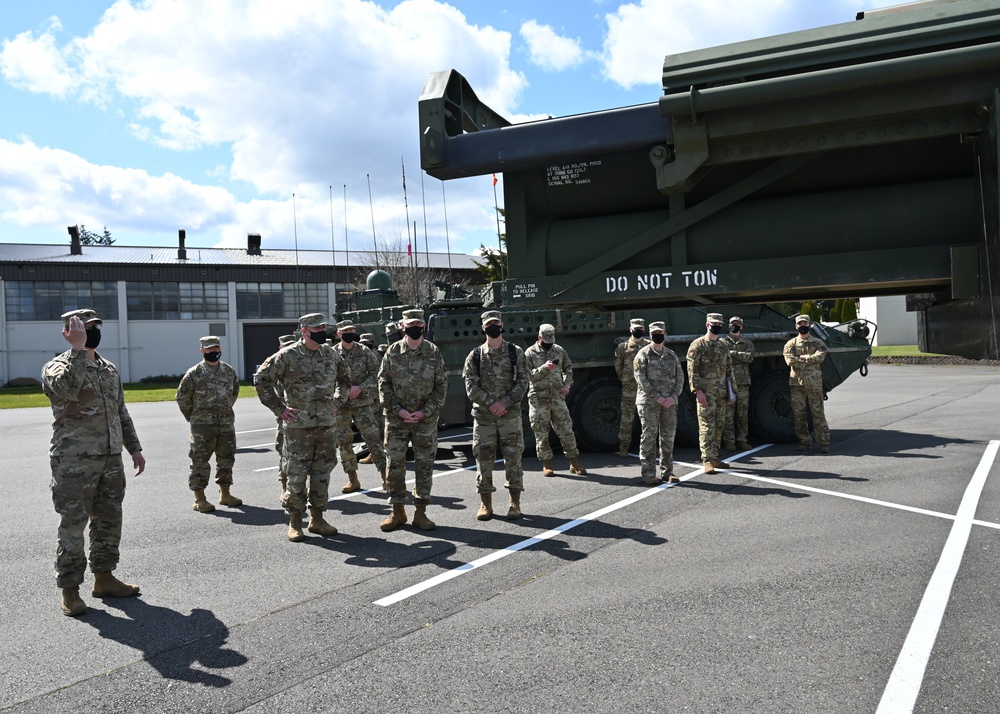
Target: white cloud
point(549, 50)
point(36, 64)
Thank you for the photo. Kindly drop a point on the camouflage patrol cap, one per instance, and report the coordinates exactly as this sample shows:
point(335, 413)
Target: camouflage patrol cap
point(491, 316)
point(714, 317)
point(546, 330)
point(637, 322)
point(313, 319)
point(86, 315)
point(367, 339)
point(803, 318)
point(210, 341)
point(344, 325)
point(657, 327)
point(412, 316)
point(287, 340)
point(735, 319)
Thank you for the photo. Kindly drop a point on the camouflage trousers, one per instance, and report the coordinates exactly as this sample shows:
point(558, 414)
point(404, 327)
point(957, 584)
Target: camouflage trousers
point(308, 454)
point(737, 417)
point(628, 417)
point(205, 440)
point(809, 401)
point(424, 437)
point(545, 413)
point(505, 433)
point(279, 443)
point(710, 422)
point(368, 427)
point(87, 488)
point(659, 426)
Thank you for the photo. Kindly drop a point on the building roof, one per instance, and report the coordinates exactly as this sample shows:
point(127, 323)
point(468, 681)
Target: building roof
point(236, 257)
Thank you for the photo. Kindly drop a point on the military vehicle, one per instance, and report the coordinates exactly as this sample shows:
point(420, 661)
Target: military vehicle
point(858, 159)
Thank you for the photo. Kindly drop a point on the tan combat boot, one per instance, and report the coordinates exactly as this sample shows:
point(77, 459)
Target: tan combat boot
point(729, 446)
point(396, 518)
point(420, 519)
point(385, 479)
point(367, 460)
point(107, 585)
point(623, 453)
point(744, 445)
point(547, 469)
point(672, 478)
point(824, 448)
point(709, 467)
point(72, 604)
point(576, 468)
point(318, 525)
point(353, 484)
point(719, 464)
point(485, 511)
point(514, 512)
point(295, 528)
point(652, 481)
point(201, 503)
point(226, 498)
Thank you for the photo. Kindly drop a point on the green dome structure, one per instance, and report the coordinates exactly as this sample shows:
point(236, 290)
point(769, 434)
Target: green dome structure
point(378, 280)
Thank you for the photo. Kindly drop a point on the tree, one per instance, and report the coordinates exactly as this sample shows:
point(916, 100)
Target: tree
point(494, 263)
point(91, 238)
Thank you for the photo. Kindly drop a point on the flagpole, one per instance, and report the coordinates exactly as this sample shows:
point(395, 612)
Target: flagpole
point(371, 207)
point(409, 241)
point(295, 232)
point(427, 250)
point(333, 250)
point(347, 255)
point(496, 207)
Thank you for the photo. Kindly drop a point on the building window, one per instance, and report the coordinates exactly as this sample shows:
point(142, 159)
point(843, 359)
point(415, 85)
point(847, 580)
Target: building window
point(256, 301)
point(43, 300)
point(178, 301)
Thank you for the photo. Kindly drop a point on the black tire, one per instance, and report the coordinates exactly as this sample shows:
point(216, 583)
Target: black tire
point(596, 410)
point(771, 417)
point(687, 420)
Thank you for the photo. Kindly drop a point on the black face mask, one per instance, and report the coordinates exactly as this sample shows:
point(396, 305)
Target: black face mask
point(93, 338)
point(637, 334)
point(319, 337)
point(414, 332)
point(546, 345)
point(715, 329)
point(735, 329)
point(657, 337)
point(803, 329)
point(493, 330)
point(212, 356)
point(349, 337)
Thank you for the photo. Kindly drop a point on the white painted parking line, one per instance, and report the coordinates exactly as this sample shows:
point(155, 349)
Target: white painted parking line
point(901, 692)
point(254, 431)
point(355, 494)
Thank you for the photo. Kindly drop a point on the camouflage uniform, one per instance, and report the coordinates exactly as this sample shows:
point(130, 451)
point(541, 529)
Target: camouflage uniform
point(364, 366)
point(495, 379)
point(742, 353)
point(206, 396)
point(710, 369)
point(279, 432)
point(414, 380)
point(89, 429)
point(804, 354)
point(625, 353)
point(316, 383)
point(546, 401)
point(658, 374)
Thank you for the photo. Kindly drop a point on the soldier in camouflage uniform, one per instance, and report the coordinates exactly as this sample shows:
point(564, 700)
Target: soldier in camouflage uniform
point(804, 354)
point(625, 353)
point(392, 334)
point(550, 372)
point(368, 340)
point(660, 377)
point(279, 432)
point(306, 384)
point(364, 366)
point(90, 426)
point(710, 373)
point(496, 380)
point(206, 396)
point(742, 353)
point(413, 382)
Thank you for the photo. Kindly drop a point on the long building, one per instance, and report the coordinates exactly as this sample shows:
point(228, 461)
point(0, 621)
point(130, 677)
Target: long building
point(157, 302)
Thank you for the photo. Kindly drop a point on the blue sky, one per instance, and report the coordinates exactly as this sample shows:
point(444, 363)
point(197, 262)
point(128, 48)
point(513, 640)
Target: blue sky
point(149, 116)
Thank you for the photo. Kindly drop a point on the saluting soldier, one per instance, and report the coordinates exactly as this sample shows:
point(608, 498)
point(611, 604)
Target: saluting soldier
point(625, 353)
point(206, 396)
point(306, 384)
point(413, 382)
point(660, 377)
point(710, 373)
point(364, 366)
point(496, 380)
point(90, 426)
point(550, 372)
point(804, 354)
point(736, 431)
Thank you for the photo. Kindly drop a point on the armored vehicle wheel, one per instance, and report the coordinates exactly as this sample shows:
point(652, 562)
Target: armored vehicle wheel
point(687, 420)
point(770, 415)
point(596, 412)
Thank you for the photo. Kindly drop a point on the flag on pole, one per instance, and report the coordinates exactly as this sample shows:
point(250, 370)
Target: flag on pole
point(494, 179)
point(409, 249)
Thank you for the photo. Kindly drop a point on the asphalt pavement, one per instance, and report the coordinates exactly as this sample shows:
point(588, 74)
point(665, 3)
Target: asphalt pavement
point(857, 581)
